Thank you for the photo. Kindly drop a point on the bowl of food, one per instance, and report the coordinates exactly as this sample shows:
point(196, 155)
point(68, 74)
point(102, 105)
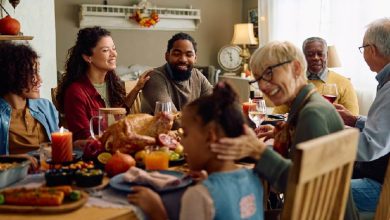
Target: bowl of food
point(58, 177)
point(88, 177)
point(12, 169)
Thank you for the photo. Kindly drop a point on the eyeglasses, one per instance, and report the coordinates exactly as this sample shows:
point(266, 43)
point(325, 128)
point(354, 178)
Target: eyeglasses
point(361, 48)
point(267, 75)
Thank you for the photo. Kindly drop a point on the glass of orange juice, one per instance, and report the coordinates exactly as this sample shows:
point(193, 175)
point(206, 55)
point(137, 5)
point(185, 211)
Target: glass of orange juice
point(156, 158)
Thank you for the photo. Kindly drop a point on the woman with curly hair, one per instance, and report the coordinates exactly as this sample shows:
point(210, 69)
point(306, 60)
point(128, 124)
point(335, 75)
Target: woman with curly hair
point(90, 81)
point(25, 119)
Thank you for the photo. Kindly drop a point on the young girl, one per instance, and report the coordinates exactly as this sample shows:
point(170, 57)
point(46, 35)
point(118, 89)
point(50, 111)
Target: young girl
point(229, 192)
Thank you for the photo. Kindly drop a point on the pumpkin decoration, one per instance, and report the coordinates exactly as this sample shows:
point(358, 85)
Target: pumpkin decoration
point(9, 26)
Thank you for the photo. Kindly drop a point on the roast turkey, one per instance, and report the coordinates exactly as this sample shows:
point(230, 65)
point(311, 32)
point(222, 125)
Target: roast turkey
point(136, 131)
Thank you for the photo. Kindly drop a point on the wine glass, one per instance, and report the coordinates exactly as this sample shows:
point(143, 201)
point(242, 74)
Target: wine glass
point(257, 112)
point(329, 92)
point(167, 107)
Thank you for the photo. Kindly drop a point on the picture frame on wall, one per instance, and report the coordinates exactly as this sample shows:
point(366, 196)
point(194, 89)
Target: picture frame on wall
point(253, 18)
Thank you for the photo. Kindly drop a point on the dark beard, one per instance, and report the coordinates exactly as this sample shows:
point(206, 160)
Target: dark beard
point(179, 75)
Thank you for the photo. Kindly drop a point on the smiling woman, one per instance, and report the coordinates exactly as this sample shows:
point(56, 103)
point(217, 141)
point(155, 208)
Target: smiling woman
point(90, 81)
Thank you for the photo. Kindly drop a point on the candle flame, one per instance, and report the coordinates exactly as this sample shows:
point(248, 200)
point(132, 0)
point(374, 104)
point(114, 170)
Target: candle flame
point(62, 129)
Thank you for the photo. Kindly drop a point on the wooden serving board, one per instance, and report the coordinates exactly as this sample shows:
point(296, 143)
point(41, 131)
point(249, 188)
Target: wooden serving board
point(67, 206)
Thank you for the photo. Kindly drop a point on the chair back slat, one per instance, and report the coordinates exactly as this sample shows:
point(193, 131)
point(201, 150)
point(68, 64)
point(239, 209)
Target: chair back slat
point(136, 107)
point(321, 196)
point(383, 208)
point(319, 179)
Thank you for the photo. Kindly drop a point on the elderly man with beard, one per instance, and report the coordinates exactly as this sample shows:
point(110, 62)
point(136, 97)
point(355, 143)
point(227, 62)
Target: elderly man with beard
point(315, 50)
point(177, 80)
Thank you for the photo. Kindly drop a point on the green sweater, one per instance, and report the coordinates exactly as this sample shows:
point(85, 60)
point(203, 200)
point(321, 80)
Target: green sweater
point(316, 118)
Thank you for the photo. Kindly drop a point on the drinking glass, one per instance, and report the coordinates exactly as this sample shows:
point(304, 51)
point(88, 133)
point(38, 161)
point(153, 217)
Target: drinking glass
point(44, 155)
point(164, 107)
point(156, 158)
point(329, 92)
point(257, 112)
point(106, 117)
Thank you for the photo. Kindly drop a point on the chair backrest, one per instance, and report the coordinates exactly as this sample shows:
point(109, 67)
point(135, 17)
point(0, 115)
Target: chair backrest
point(241, 85)
point(319, 180)
point(136, 107)
point(54, 101)
point(383, 208)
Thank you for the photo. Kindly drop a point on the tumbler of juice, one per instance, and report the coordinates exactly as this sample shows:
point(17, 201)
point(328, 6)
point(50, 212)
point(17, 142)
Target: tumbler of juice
point(245, 107)
point(156, 159)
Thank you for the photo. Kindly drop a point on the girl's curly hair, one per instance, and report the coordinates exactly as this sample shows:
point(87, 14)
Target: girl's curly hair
point(18, 65)
point(223, 107)
point(76, 67)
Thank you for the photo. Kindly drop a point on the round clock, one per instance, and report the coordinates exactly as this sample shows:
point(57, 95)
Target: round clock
point(229, 57)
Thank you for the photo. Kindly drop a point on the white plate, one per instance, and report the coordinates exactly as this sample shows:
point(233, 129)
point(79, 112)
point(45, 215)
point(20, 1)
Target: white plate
point(118, 183)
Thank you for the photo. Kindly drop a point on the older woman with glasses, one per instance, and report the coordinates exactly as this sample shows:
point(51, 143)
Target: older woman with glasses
point(280, 71)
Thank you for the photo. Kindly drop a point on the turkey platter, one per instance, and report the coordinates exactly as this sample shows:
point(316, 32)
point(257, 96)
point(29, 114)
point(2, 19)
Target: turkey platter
point(136, 131)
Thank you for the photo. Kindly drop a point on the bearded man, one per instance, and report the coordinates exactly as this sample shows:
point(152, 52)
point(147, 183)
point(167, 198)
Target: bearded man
point(176, 81)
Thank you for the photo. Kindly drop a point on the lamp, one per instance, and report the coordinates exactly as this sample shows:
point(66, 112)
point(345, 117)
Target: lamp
point(333, 58)
point(243, 35)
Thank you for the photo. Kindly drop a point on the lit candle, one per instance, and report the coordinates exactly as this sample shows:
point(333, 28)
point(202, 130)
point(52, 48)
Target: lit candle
point(62, 148)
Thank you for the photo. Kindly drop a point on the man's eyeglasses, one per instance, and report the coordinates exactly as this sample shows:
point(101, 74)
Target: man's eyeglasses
point(361, 48)
point(267, 75)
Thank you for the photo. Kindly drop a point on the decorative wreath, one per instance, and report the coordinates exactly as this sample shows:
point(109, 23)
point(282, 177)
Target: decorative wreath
point(145, 21)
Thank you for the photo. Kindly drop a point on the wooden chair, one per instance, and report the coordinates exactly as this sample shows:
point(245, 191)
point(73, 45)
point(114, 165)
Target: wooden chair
point(319, 180)
point(136, 107)
point(54, 100)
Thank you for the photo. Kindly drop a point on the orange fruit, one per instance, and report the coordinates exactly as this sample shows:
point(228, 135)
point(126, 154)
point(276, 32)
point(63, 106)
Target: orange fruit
point(104, 157)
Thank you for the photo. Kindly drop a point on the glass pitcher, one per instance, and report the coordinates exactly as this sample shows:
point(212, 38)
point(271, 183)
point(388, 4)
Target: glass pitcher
point(106, 117)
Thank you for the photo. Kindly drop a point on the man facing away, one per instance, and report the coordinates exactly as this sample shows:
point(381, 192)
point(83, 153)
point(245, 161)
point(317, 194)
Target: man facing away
point(177, 80)
point(374, 143)
point(316, 50)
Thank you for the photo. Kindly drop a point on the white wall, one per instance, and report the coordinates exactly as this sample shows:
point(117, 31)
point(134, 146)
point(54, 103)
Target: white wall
point(37, 19)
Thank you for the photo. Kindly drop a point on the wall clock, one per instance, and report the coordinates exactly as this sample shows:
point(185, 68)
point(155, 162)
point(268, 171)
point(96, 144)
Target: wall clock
point(229, 58)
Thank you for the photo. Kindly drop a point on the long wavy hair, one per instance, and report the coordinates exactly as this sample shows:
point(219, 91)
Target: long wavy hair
point(76, 67)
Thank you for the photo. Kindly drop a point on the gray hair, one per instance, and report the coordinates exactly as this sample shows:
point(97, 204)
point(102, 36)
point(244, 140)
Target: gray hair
point(276, 52)
point(378, 33)
point(314, 39)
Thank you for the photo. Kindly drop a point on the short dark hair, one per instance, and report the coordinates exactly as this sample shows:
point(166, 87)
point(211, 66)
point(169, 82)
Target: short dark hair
point(18, 65)
point(181, 36)
point(223, 107)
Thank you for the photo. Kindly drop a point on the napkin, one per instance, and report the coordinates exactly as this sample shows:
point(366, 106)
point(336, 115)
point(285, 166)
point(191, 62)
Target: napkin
point(155, 179)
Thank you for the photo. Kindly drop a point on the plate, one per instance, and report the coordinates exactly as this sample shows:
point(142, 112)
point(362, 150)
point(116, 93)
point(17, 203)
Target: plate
point(272, 119)
point(77, 154)
point(118, 183)
point(67, 206)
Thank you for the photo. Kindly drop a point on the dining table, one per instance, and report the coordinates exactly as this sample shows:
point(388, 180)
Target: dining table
point(103, 202)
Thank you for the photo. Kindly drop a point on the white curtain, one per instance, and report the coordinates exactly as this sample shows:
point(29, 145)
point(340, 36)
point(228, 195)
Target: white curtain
point(340, 22)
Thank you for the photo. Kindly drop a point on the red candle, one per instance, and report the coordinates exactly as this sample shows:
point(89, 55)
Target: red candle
point(245, 107)
point(61, 144)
